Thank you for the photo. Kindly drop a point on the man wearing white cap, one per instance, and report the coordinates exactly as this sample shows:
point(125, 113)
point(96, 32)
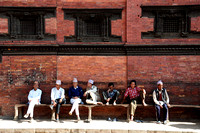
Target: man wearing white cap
point(57, 98)
point(161, 100)
point(34, 98)
point(75, 94)
point(93, 96)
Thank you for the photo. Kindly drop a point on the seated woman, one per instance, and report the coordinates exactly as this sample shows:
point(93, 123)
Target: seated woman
point(111, 95)
point(93, 96)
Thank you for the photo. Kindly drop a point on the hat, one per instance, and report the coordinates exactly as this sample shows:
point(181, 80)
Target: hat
point(160, 82)
point(75, 80)
point(58, 82)
point(91, 81)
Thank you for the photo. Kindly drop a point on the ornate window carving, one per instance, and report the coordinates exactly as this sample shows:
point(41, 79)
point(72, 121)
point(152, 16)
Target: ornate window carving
point(27, 23)
point(92, 25)
point(170, 21)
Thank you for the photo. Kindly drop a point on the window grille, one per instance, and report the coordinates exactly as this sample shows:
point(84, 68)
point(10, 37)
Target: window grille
point(27, 27)
point(171, 25)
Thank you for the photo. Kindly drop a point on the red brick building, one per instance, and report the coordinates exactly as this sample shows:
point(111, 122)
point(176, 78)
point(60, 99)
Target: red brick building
point(104, 40)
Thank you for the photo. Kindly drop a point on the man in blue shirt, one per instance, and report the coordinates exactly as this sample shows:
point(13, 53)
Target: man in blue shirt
point(75, 94)
point(111, 95)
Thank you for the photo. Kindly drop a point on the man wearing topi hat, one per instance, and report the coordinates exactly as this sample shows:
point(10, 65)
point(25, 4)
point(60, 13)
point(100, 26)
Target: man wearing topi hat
point(92, 94)
point(75, 94)
point(161, 100)
point(57, 98)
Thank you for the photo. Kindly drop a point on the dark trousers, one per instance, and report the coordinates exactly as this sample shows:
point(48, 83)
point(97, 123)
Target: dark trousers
point(115, 97)
point(59, 104)
point(165, 112)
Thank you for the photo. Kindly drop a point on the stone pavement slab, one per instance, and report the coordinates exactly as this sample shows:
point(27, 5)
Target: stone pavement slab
point(96, 126)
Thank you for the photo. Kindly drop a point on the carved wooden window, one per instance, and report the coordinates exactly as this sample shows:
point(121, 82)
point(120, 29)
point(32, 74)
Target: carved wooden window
point(27, 27)
point(171, 25)
point(27, 23)
point(170, 21)
point(92, 25)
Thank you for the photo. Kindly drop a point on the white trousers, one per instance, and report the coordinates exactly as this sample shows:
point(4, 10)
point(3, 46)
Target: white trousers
point(93, 99)
point(31, 107)
point(75, 106)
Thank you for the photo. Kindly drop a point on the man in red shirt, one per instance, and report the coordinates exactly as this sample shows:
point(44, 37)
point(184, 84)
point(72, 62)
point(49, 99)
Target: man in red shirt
point(134, 93)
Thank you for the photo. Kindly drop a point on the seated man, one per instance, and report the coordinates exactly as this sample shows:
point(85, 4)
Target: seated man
point(111, 95)
point(161, 100)
point(93, 96)
point(57, 98)
point(75, 94)
point(34, 98)
point(134, 92)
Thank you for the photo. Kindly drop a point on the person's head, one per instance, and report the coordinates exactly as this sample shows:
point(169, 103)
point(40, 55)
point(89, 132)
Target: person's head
point(133, 84)
point(75, 82)
point(35, 85)
point(90, 83)
point(160, 85)
point(111, 85)
point(58, 84)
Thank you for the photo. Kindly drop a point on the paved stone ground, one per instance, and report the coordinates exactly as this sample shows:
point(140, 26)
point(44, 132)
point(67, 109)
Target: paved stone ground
point(96, 126)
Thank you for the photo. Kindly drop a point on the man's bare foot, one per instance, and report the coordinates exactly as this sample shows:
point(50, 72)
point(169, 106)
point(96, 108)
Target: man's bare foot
point(100, 103)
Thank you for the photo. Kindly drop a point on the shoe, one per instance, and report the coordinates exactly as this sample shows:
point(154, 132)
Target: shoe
point(78, 118)
point(26, 115)
point(109, 119)
point(57, 120)
point(70, 113)
point(107, 103)
point(114, 103)
point(32, 120)
point(158, 122)
point(115, 119)
point(51, 106)
point(165, 122)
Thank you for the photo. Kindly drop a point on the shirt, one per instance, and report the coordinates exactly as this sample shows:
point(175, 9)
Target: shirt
point(55, 93)
point(132, 93)
point(35, 94)
point(156, 97)
point(75, 92)
point(111, 93)
point(92, 89)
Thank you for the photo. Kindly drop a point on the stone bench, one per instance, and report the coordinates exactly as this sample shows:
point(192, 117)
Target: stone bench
point(18, 109)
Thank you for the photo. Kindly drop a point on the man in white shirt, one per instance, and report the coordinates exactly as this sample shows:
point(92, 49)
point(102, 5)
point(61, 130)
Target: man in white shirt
point(57, 98)
point(93, 96)
point(34, 98)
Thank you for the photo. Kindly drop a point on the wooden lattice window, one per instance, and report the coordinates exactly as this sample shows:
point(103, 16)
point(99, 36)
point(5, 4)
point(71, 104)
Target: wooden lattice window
point(27, 27)
point(171, 25)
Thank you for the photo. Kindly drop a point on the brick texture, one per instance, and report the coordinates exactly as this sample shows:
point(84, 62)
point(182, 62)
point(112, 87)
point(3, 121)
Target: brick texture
point(116, 28)
point(195, 24)
point(50, 25)
point(180, 75)
point(3, 25)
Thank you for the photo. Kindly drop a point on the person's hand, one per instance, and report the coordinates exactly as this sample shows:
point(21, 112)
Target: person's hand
point(54, 103)
point(108, 100)
point(168, 105)
point(29, 101)
point(161, 106)
point(60, 100)
point(38, 100)
point(75, 97)
point(85, 94)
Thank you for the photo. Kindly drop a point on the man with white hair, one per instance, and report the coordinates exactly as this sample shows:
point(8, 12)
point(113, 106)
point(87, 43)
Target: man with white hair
point(75, 94)
point(92, 94)
point(57, 98)
point(161, 100)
